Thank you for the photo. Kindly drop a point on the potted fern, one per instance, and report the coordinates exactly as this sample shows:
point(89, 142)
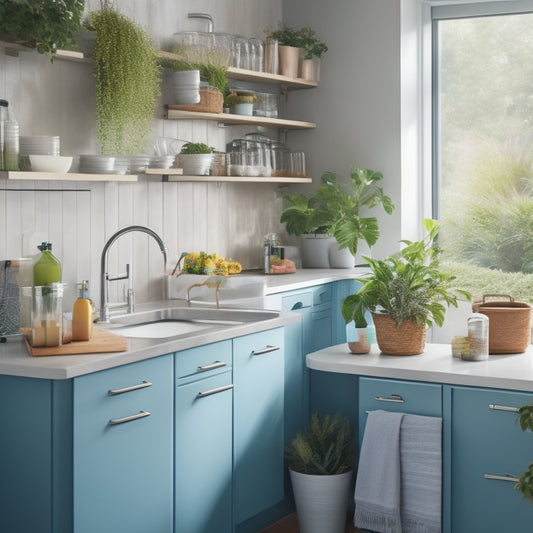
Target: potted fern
point(195, 159)
point(321, 461)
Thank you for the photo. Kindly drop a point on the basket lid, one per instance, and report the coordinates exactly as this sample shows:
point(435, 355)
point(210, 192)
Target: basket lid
point(507, 304)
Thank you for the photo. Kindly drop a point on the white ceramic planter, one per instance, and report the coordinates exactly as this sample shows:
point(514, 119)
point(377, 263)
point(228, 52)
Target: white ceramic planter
point(340, 258)
point(321, 501)
point(315, 250)
point(244, 109)
point(195, 164)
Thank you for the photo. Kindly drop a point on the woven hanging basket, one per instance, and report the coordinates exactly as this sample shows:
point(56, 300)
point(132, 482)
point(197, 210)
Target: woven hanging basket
point(407, 339)
point(509, 323)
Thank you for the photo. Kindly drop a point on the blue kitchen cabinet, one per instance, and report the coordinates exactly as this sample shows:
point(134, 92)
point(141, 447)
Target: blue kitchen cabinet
point(258, 378)
point(203, 439)
point(488, 451)
point(122, 449)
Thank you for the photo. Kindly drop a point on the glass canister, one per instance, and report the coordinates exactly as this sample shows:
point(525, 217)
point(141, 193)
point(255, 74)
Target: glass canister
point(271, 58)
point(478, 338)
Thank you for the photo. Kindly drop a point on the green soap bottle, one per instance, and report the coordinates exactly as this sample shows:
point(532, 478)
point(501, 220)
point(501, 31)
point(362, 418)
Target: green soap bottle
point(47, 269)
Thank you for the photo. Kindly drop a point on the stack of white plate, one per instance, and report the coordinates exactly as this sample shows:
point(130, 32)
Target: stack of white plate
point(138, 163)
point(186, 86)
point(36, 145)
point(122, 163)
point(97, 164)
point(162, 161)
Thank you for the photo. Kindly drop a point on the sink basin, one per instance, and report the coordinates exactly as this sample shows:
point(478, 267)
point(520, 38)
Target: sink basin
point(183, 321)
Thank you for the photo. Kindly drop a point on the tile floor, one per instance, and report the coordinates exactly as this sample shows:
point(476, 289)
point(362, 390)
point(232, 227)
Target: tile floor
point(289, 524)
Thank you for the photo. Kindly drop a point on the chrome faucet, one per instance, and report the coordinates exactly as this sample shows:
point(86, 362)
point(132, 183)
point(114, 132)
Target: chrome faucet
point(204, 16)
point(105, 278)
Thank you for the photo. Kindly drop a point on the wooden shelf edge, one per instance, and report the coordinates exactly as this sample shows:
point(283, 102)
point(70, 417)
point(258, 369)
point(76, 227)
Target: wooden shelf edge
point(69, 176)
point(240, 179)
point(164, 171)
point(229, 119)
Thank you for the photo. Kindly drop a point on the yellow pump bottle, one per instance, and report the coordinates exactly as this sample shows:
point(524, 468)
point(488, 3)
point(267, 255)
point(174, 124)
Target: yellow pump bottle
point(82, 316)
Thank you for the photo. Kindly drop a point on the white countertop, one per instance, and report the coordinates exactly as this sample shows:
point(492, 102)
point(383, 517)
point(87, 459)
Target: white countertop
point(436, 365)
point(16, 361)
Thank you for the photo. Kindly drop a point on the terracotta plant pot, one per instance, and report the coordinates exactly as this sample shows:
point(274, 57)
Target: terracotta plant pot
point(361, 345)
point(408, 339)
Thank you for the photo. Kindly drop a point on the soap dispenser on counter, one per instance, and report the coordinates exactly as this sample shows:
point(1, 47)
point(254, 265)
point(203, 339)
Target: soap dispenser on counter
point(47, 268)
point(82, 314)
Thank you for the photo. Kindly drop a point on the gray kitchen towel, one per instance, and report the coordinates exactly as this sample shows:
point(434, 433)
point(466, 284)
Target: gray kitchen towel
point(421, 468)
point(378, 485)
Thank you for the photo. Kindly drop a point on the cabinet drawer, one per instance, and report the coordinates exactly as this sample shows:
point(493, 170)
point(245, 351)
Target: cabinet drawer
point(204, 360)
point(300, 300)
point(400, 396)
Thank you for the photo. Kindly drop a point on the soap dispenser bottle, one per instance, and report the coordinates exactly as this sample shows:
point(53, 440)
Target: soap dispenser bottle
point(82, 314)
point(47, 269)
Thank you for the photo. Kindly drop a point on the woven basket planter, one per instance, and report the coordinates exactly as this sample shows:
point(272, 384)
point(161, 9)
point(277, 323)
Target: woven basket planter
point(408, 339)
point(509, 324)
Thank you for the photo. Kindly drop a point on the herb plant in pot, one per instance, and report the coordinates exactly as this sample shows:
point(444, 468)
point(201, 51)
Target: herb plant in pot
point(289, 50)
point(241, 102)
point(333, 213)
point(321, 462)
point(405, 293)
point(311, 50)
point(195, 159)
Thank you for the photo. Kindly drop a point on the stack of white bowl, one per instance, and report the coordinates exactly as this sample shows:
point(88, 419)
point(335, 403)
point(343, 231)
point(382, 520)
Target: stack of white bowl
point(186, 87)
point(97, 164)
point(162, 161)
point(122, 163)
point(36, 145)
point(138, 163)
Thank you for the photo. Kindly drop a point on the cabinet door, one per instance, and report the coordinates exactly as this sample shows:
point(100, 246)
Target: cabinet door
point(258, 422)
point(203, 455)
point(122, 459)
point(488, 449)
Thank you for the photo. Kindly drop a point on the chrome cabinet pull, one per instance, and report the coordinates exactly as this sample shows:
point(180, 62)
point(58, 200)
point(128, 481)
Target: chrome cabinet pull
point(507, 477)
point(140, 414)
point(268, 349)
point(213, 365)
point(395, 398)
point(214, 391)
point(503, 408)
point(143, 385)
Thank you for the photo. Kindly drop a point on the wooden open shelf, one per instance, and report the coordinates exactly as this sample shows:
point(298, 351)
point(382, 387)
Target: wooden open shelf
point(68, 176)
point(239, 179)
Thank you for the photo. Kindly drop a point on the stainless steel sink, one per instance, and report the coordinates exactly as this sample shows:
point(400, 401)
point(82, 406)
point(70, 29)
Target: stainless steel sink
point(184, 321)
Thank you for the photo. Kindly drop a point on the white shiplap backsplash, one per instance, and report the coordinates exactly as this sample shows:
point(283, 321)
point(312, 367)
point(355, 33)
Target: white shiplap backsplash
point(78, 217)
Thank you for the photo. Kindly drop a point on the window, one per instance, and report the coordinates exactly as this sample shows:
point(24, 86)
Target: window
point(482, 148)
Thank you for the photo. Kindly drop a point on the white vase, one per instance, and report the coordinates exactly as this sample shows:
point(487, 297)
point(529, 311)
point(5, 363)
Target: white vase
point(321, 501)
point(315, 250)
point(340, 258)
point(245, 108)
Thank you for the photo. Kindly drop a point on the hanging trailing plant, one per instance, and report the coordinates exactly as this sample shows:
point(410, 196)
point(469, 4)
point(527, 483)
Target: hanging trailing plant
point(128, 80)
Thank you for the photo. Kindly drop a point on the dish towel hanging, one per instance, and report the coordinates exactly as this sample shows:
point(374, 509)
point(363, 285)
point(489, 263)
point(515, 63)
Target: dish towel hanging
point(377, 489)
point(399, 479)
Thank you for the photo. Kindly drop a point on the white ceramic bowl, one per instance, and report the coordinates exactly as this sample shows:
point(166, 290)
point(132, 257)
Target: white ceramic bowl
point(50, 163)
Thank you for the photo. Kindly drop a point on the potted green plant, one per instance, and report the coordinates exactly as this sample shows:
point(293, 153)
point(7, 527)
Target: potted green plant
point(405, 293)
point(289, 41)
point(241, 102)
point(311, 50)
point(128, 80)
point(333, 211)
point(195, 159)
point(321, 462)
point(525, 481)
point(43, 25)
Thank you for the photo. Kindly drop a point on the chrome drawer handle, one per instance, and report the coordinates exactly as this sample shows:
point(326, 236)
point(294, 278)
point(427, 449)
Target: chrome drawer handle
point(214, 391)
point(507, 477)
point(142, 385)
point(503, 408)
point(395, 398)
point(215, 364)
point(268, 349)
point(140, 414)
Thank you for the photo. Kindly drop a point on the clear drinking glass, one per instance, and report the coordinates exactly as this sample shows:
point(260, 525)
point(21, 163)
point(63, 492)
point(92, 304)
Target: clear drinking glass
point(271, 57)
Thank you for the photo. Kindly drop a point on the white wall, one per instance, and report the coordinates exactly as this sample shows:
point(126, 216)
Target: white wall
point(356, 107)
point(58, 99)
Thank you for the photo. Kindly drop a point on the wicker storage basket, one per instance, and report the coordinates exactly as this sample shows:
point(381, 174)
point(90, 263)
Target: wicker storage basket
point(408, 339)
point(211, 101)
point(509, 323)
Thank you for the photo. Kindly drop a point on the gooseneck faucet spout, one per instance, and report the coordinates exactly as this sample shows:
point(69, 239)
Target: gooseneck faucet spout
point(105, 306)
point(204, 16)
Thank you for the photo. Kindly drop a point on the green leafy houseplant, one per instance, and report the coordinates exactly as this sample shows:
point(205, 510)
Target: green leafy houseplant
point(235, 98)
point(127, 82)
point(336, 208)
point(286, 36)
point(525, 483)
point(43, 24)
point(196, 148)
point(325, 448)
point(310, 44)
point(407, 286)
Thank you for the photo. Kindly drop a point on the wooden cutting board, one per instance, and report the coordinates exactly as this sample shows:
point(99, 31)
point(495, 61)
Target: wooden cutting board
point(101, 341)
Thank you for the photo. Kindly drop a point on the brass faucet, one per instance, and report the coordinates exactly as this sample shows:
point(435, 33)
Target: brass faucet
point(213, 282)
